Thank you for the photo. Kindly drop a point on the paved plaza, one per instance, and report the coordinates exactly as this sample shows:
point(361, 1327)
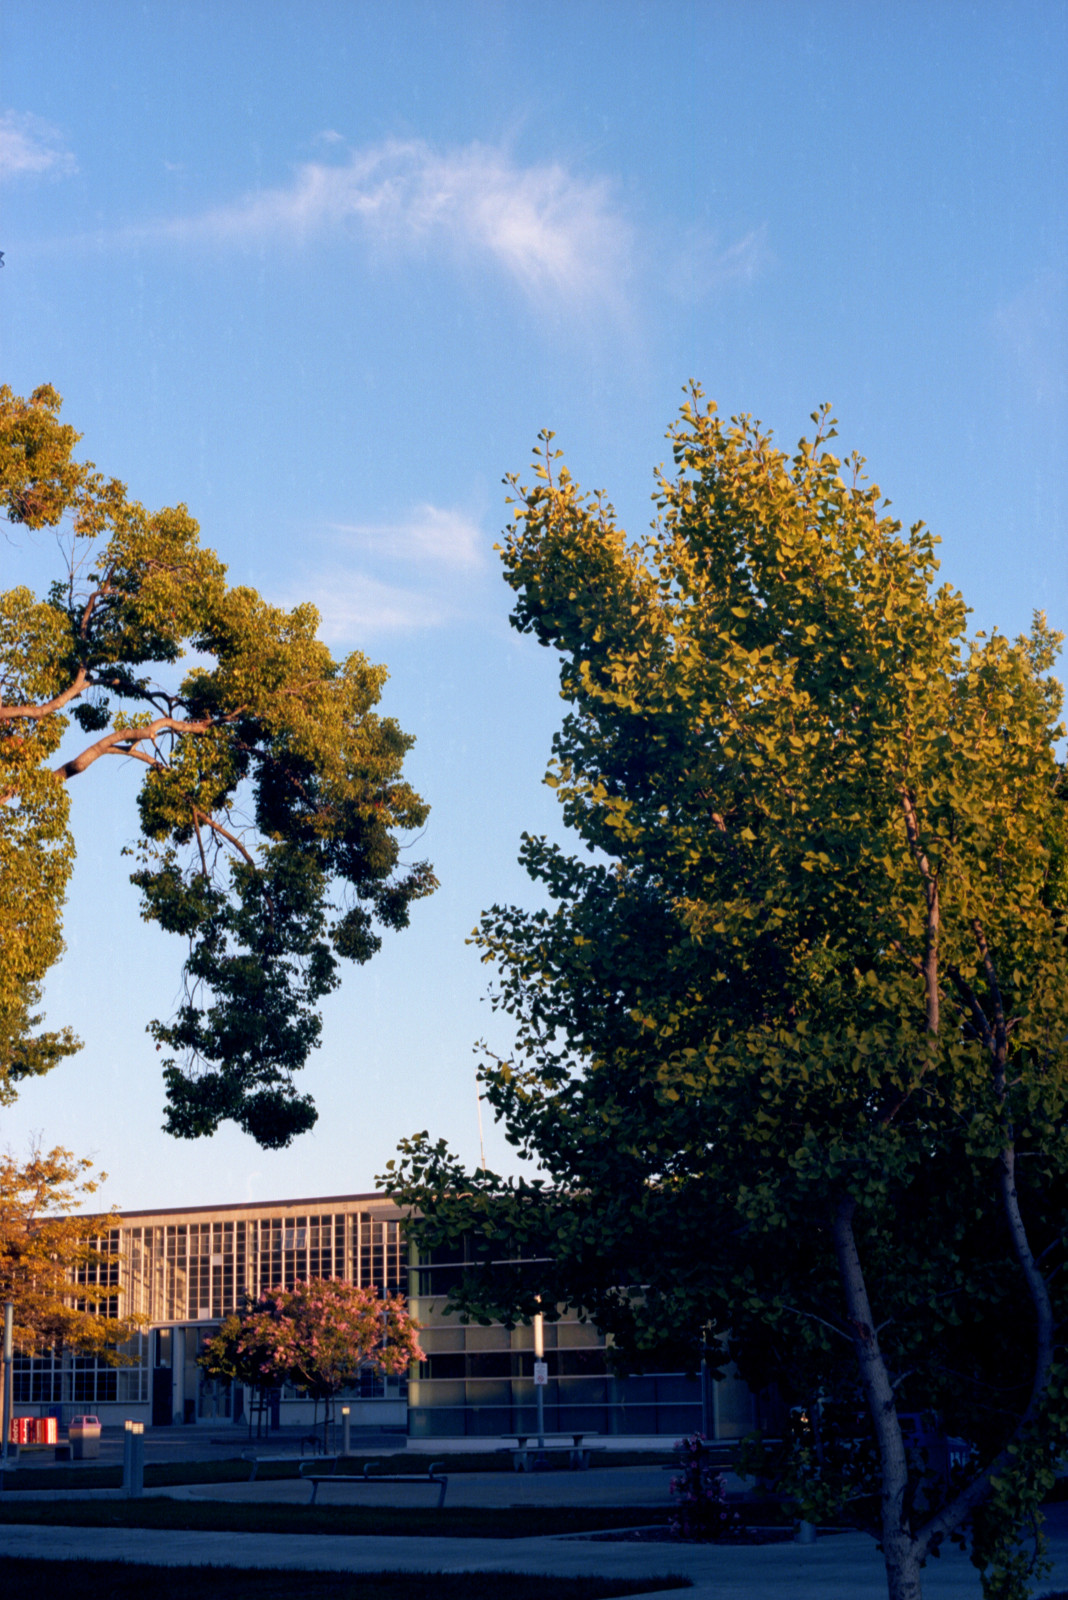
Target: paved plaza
point(837, 1567)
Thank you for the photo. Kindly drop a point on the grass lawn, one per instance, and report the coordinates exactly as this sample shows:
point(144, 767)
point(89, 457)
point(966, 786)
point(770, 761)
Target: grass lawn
point(205, 1516)
point(160, 1475)
point(26, 1578)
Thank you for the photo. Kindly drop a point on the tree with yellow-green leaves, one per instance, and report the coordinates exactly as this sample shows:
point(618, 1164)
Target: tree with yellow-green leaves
point(271, 799)
point(792, 1032)
point(60, 1269)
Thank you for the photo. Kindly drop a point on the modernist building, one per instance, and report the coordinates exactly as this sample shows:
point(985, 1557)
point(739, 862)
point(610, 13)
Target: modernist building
point(185, 1270)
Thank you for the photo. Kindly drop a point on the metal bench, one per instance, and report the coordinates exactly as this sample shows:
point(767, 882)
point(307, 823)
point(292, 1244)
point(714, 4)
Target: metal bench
point(258, 1460)
point(578, 1453)
point(432, 1475)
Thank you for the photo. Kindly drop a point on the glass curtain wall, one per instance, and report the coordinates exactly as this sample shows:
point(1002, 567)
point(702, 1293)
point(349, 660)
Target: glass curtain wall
point(479, 1381)
point(199, 1271)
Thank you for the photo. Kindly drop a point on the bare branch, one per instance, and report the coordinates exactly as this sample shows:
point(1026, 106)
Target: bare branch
point(812, 1317)
point(124, 741)
point(29, 713)
point(200, 843)
point(224, 833)
point(978, 1016)
point(913, 961)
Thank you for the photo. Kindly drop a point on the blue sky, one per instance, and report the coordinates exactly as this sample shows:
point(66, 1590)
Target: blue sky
point(323, 272)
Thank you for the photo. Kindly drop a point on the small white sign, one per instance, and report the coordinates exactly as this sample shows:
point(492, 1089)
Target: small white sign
point(541, 1374)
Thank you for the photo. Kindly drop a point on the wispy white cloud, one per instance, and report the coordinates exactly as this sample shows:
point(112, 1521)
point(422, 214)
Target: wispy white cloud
point(431, 533)
point(354, 607)
point(1032, 329)
point(706, 264)
point(31, 147)
point(370, 579)
point(558, 235)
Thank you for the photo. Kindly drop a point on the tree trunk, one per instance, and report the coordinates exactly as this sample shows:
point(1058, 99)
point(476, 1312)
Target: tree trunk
point(902, 1566)
point(900, 1554)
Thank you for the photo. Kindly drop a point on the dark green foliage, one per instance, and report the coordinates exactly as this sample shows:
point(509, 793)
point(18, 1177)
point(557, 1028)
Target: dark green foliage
point(271, 804)
point(792, 1031)
point(264, 955)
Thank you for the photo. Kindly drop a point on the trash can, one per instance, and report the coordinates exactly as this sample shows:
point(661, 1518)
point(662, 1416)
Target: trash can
point(84, 1436)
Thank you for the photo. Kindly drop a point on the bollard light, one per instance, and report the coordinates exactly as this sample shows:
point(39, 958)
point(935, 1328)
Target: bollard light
point(133, 1459)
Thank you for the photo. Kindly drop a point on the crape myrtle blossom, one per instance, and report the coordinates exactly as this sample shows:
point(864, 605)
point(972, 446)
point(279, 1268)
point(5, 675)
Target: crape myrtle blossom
point(316, 1336)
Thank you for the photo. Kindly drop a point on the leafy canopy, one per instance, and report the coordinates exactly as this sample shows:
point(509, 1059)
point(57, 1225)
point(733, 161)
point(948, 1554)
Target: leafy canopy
point(792, 1033)
point(270, 803)
point(61, 1270)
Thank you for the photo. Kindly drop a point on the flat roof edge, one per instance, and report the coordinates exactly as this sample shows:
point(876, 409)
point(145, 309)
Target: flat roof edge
point(301, 1202)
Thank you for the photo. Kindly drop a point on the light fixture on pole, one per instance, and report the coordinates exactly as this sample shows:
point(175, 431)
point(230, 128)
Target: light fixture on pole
point(541, 1374)
point(541, 1368)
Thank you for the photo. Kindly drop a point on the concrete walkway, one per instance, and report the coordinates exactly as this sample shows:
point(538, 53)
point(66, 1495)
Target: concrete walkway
point(837, 1567)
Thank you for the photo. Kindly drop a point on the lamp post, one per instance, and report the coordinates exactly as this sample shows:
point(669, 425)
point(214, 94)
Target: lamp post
point(541, 1373)
point(9, 1356)
point(708, 1400)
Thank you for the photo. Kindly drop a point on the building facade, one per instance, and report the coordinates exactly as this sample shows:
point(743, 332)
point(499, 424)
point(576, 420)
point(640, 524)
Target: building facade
point(478, 1381)
point(186, 1270)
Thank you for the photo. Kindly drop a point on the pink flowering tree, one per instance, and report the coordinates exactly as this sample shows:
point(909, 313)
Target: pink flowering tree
point(316, 1336)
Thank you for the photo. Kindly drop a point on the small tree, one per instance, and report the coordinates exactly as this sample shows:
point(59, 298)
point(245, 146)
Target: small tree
point(317, 1336)
point(59, 1268)
point(699, 1489)
point(228, 1357)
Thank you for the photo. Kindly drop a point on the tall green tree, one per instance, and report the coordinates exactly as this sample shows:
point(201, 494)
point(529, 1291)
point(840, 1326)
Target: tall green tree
point(271, 800)
point(792, 1035)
